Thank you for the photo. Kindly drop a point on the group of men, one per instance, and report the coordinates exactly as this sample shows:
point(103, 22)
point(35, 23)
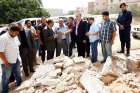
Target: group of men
point(25, 41)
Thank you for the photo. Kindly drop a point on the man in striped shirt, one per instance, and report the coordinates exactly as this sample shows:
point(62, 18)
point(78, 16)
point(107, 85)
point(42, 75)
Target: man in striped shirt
point(107, 35)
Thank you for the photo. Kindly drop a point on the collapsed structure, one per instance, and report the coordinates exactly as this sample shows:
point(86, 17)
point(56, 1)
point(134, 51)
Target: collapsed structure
point(78, 75)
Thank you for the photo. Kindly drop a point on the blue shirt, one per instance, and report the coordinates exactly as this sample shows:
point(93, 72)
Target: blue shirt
point(94, 28)
point(62, 29)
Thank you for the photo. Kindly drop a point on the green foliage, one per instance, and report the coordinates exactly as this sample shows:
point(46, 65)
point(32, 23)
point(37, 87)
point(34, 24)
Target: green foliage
point(71, 12)
point(19, 9)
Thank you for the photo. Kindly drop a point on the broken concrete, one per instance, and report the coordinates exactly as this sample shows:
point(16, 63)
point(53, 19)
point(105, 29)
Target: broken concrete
point(78, 75)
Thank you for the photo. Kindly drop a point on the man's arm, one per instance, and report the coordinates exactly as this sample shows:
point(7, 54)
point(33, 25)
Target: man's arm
point(128, 19)
point(2, 49)
point(113, 36)
point(113, 28)
point(4, 59)
point(92, 33)
point(96, 31)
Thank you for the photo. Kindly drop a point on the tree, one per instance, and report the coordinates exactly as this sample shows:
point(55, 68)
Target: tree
point(19, 9)
point(71, 12)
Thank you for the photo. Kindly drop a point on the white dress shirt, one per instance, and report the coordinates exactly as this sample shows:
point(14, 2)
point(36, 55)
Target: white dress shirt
point(10, 47)
point(94, 28)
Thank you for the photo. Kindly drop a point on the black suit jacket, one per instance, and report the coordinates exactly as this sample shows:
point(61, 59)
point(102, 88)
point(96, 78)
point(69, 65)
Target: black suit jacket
point(49, 39)
point(125, 18)
point(82, 29)
point(23, 39)
point(26, 42)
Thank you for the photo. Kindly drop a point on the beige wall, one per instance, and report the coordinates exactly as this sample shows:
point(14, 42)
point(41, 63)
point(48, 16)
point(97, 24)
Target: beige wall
point(98, 5)
point(91, 7)
point(114, 5)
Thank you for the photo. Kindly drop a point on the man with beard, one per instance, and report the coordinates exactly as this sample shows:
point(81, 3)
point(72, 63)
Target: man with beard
point(124, 22)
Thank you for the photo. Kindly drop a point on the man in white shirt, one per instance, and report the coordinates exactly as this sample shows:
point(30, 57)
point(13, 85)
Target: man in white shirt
point(94, 39)
point(9, 51)
point(63, 38)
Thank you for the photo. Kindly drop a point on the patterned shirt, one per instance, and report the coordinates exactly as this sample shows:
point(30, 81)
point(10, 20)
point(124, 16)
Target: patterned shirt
point(106, 31)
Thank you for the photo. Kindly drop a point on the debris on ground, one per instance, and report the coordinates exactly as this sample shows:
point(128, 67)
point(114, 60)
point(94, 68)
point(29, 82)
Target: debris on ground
point(79, 75)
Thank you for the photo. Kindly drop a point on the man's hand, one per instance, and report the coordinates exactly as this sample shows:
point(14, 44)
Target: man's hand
point(7, 64)
point(55, 36)
point(89, 33)
point(121, 27)
point(4, 59)
point(112, 42)
point(84, 41)
point(60, 33)
point(70, 30)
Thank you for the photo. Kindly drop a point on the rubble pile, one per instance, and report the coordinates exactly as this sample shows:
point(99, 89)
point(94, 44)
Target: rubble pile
point(78, 75)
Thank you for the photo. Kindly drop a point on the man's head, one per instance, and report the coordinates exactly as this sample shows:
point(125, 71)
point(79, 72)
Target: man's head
point(91, 20)
point(11, 20)
point(70, 20)
point(78, 16)
point(20, 26)
point(38, 21)
point(105, 15)
point(43, 20)
point(123, 6)
point(28, 23)
point(61, 22)
point(14, 30)
point(50, 23)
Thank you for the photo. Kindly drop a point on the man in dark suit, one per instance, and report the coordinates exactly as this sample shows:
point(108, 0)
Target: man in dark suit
point(124, 21)
point(49, 40)
point(41, 28)
point(26, 40)
point(80, 31)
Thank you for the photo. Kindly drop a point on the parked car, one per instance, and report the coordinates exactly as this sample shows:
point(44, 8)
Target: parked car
point(136, 31)
point(3, 30)
point(33, 20)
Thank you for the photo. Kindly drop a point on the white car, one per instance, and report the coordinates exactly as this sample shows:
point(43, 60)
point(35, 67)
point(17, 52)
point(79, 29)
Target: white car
point(3, 29)
point(136, 31)
point(33, 20)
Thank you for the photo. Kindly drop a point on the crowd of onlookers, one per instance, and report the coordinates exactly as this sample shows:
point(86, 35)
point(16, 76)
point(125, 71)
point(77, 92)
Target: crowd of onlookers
point(28, 41)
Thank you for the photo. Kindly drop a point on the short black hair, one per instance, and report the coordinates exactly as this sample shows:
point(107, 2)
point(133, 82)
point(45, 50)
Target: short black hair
point(91, 18)
point(49, 22)
point(14, 27)
point(123, 4)
point(71, 18)
point(26, 22)
point(11, 20)
point(105, 13)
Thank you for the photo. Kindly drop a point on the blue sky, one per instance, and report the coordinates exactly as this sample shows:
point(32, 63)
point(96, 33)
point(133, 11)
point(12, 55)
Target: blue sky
point(66, 5)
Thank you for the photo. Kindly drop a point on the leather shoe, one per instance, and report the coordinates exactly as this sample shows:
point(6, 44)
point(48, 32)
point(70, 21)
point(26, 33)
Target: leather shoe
point(127, 55)
point(120, 52)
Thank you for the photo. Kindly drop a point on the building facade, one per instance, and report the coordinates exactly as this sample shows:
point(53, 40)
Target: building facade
point(113, 5)
point(91, 7)
point(97, 6)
